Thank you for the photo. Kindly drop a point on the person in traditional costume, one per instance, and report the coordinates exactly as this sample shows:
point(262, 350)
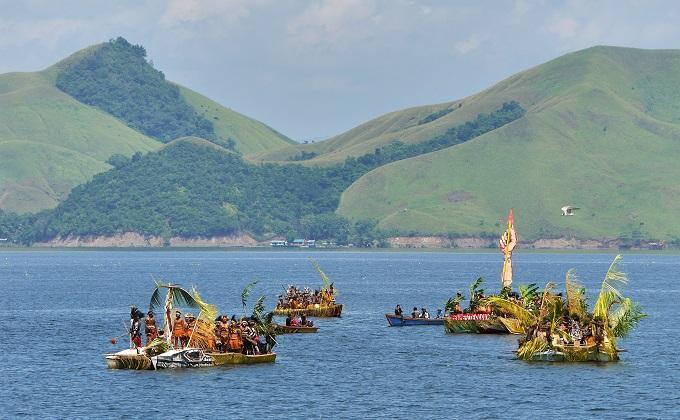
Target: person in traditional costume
point(222, 333)
point(179, 327)
point(190, 322)
point(150, 327)
point(135, 331)
point(235, 341)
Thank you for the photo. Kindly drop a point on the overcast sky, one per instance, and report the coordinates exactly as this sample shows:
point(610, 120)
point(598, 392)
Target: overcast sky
point(312, 69)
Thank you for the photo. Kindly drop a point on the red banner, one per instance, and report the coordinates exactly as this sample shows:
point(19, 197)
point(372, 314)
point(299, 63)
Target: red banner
point(470, 317)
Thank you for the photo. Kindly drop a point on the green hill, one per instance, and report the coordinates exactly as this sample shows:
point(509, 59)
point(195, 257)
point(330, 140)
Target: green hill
point(50, 142)
point(601, 132)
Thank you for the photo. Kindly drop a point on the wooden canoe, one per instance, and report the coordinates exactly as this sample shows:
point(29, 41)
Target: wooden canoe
point(591, 353)
point(184, 358)
point(332, 311)
point(400, 321)
point(475, 324)
point(289, 329)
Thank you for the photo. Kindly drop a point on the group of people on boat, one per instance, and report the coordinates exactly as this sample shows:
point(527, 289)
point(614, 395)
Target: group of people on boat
point(295, 298)
point(415, 313)
point(230, 335)
point(292, 320)
point(238, 336)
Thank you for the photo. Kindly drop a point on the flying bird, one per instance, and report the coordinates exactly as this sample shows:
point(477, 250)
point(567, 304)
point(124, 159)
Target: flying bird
point(568, 210)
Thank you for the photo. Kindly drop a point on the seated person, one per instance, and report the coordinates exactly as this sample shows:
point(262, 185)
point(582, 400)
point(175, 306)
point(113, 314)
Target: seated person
point(398, 312)
point(415, 313)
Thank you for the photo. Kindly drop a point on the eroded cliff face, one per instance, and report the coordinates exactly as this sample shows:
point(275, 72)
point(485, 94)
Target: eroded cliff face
point(135, 240)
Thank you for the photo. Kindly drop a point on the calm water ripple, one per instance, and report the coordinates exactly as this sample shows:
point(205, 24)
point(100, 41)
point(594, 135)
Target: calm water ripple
point(59, 308)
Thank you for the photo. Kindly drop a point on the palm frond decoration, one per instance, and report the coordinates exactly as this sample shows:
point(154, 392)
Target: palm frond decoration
point(625, 317)
point(528, 292)
point(548, 292)
point(258, 309)
point(453, 301)
point(475, 290)
point(576, 300)
point(155, 299)
point(177, 295)
point(246, 293)
point(529, 348)
point(324, 277)
point(513, 310)
point(610, 292)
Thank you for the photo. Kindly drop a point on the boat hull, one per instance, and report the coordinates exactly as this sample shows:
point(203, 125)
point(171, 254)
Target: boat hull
point(575, 354)
point(474, 324)
point(333, 311)
point(399, 321)
point(128, 359)
point(185, 358)
point(285, 329)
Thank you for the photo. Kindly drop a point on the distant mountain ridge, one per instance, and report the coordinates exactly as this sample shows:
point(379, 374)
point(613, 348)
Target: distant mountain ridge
point(601, 132)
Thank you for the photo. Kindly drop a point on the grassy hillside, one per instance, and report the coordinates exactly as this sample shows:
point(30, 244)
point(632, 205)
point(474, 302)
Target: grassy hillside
point(250, 136)
point(601, 132)
point(49, 142)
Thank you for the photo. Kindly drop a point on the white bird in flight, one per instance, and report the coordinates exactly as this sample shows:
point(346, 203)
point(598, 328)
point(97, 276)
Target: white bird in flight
point(568, 210)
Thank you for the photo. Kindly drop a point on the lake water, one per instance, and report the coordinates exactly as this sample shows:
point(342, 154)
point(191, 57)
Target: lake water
point(59, 309)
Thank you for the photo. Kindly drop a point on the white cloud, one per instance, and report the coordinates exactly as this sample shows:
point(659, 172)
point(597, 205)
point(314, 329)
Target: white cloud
point(181, 12)
point(334, 23)
point(467, 45)
point(563, 27)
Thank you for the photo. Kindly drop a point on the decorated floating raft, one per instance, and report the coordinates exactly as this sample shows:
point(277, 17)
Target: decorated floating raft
point(481, 324)
point(400, 321)
point(576, 354)
point(137, 359)
point(332, 311)
point(290, 329)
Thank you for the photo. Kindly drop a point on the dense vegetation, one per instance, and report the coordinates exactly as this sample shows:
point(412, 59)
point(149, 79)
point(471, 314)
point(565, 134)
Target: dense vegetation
point(190, 188)
point(118, 79)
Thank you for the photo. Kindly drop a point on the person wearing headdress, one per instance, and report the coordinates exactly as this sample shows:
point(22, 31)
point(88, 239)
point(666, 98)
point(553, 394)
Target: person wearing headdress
point(135, 328)
point(150, 327)
point(190, 322)
point(222, 333)
point(179, 326)
point(235, 342)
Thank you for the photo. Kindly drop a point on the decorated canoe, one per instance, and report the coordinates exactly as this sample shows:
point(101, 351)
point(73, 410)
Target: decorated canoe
point(572, 353)
point(183, 358)
point(332, 311)
point(290, 329)
point(481, 324)
point(400, 321)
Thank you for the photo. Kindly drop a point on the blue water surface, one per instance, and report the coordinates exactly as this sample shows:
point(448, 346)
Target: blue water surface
point(60, 308)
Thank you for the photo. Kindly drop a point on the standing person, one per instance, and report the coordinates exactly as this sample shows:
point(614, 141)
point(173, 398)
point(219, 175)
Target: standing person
point(190, 322)
point(150, 327)
point(222, 333)
point(178, 328)
point(398, 311)
point(136, 331)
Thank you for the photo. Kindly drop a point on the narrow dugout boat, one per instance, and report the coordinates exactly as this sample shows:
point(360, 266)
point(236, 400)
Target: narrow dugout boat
point(400, 321)
point(481, 324)
point(320, 304)
point(317, 311)
point(297, 329)
point(182, 358)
